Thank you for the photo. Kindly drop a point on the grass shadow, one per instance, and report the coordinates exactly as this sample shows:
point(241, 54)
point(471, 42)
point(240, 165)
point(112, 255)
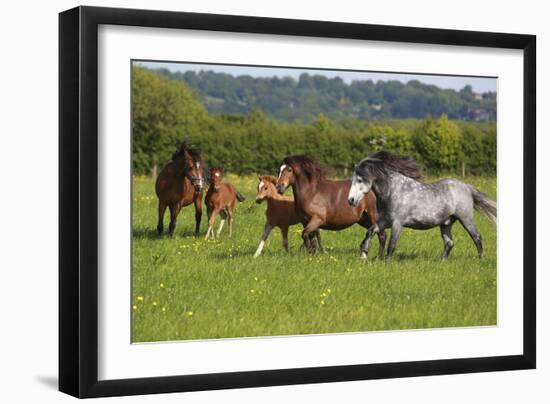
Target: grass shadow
point(151, 234)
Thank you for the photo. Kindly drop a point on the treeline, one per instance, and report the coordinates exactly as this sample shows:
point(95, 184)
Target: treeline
point(302, 100)
point(166, 111)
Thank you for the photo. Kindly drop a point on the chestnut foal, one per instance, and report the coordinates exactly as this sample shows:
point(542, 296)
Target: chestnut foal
point(280, 212)
point(221, 199)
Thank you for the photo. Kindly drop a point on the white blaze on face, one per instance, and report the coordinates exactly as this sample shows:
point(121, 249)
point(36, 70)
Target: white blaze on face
point(217, 174)
point(358, 188)
point(198, 165)
point(260, 185)
point(281, 171)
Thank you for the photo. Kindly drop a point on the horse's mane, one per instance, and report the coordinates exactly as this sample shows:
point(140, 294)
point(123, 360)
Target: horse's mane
point(195, 153)
point(311, 168)
point(268, 178)
point(380, 163)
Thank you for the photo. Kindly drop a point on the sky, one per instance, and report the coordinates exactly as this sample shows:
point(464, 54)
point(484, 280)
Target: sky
point(479, 84)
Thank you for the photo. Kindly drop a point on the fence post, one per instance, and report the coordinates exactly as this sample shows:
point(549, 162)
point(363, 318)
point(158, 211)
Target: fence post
point(463, 169)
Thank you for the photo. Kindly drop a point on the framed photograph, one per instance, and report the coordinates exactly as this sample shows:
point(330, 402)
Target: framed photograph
point(251, 201)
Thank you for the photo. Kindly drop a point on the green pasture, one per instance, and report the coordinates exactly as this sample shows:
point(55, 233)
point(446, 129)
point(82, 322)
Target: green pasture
point(188, 288)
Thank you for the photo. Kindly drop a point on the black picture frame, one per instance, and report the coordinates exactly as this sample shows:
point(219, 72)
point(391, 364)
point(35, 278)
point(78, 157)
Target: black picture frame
point(78, 201)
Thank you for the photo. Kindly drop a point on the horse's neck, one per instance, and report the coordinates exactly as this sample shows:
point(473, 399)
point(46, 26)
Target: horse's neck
point(392, 185)
point(275, 196)
point(302, 190)
point(180, 168)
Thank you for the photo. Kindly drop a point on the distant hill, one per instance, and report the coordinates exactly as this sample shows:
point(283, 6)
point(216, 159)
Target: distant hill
point(304, 99)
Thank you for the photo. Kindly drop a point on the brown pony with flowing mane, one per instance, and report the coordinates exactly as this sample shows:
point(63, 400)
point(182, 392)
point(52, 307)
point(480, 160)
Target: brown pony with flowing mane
point(280, 212)
point(323, 204)
point(179, 184)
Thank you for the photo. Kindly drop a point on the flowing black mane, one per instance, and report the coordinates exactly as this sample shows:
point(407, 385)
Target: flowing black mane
point(195, 153)
point(383, 162)
point(311, 168)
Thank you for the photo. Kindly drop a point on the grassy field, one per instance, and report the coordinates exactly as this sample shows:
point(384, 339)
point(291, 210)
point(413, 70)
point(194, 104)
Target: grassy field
point(188, 288)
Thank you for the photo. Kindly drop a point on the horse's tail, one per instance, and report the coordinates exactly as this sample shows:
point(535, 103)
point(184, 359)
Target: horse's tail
point(240, 196)
point(484, 204)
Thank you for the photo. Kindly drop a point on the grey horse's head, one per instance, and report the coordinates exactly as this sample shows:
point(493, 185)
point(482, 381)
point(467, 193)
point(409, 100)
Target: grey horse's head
point(378, 167)
point(361, 182)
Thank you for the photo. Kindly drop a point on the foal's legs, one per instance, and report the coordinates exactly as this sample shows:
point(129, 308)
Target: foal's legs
point(211, 219)
point(231, 212)
point(395, 230)
point(160, 224)
point(470, 227)
point(223, 216)
point(447, 237)
point(174, 211)
point(265, 235)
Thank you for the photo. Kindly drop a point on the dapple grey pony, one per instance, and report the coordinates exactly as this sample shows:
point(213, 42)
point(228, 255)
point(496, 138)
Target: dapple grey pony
point(404, 201)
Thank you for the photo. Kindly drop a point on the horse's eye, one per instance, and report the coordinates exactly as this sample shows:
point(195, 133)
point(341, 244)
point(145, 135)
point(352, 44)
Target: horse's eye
point(265, 188)
point(289, 169)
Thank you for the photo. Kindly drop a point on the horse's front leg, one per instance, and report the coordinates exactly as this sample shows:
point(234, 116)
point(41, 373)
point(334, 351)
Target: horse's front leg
point(198, 212)
point(395, 231)
point(265, 235)
point(212, 213)
point(311, 227)
point(364, 248)
point(174, 212)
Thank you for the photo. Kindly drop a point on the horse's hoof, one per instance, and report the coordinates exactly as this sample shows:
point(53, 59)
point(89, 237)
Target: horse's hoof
point(364, 255)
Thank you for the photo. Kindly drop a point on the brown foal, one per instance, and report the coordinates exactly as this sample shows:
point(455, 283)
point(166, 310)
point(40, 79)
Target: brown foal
point(322, 203)
point(280, 212)
point(221, 199)
point(180, 183)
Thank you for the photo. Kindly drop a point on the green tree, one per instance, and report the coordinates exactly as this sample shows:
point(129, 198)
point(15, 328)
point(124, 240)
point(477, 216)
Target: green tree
point(437, 142)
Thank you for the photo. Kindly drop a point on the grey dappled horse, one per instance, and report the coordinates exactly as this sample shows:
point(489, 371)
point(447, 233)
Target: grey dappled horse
point(404, 201)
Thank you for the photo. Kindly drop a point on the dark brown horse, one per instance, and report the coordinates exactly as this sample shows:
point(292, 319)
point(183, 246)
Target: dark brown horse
point(180, 183)
point(221, 199)
point(322, 203)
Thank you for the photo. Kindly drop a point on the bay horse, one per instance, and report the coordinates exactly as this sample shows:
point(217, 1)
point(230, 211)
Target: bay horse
point(322, 203)
point(280, 212)
point(408, 202)
point(221, 199)
point(180, 183)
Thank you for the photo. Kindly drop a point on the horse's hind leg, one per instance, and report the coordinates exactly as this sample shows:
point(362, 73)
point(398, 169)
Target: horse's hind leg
point(231, 213)
point(284, 234)
point(395, 231)
point(447, 238)
point(174, 211)
point(160, 224)
point(470, 227)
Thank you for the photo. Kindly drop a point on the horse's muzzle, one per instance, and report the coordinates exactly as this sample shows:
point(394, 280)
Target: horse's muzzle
point(352, 201)
point(281, 188)
point(259, 200)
